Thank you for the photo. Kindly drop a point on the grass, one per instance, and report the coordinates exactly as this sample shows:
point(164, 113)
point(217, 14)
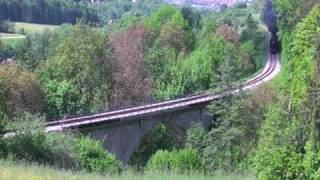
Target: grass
point(11, 36)
point(31, 27)
point(14, 39)
point(11, 39)
point(14, 171)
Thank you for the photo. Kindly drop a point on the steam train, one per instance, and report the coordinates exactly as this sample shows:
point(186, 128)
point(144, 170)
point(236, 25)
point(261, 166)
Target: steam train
point(274, 47)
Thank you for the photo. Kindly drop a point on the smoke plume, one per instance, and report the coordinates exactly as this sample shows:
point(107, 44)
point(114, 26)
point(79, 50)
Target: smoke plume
point(270, 17)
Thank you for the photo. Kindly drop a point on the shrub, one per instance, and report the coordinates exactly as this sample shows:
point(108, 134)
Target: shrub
point(196, 137)
point(182, 161)
point(160, 161)
point(155, 140)
point(279, 163)
point(94, 158)
point(63, 150)
point(29, 142)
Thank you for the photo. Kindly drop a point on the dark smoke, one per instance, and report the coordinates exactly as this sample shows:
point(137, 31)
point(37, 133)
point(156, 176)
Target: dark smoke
point(270, 17)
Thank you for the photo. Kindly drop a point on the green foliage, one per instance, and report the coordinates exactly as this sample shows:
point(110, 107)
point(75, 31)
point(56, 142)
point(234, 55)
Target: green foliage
point(159, 60)
point(20, 91)
point(311, 162)
point(203, 63)
point(183, 161)
point(126, 22)
point(196, 137)
point(287, 147)
point(46, 11)
point(275, 159)
point(77, 77)
point(290, 12)
point(223, 142)
point(160, 17)
point(209, 25)
point(155, 140)
point(185, 72)
point(222, 148)
point(274, 128)
point(63, 150)
point(197, 72)
point(63, 96)
point(28, 142)
point(232, 140)
point(253, 45)
point(34, 50)
point(303, 51)
point(280, 163)
point(94, 158)
point(110, 11)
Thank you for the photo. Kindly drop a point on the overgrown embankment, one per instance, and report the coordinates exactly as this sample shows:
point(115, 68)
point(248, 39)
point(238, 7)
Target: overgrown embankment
point(288, 145)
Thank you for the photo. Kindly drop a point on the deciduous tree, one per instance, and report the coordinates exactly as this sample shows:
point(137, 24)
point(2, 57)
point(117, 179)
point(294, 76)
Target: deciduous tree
point(78, 77)
point(133, 82)
point(20, 92)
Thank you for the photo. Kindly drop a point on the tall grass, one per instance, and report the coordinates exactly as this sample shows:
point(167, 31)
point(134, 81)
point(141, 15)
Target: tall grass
point(22, 171)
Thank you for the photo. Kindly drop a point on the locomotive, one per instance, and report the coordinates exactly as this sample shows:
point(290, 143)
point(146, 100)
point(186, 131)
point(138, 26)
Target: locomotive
point(274, 45)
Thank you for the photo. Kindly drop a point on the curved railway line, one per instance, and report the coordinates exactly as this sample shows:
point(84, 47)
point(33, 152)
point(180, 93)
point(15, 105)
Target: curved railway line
point(271, 69)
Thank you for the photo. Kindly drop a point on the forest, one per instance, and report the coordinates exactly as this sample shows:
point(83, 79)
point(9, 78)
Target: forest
point(46, 11)
point(152, 51)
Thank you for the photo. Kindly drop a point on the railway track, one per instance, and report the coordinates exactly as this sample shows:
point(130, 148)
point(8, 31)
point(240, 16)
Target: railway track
point(272, 65)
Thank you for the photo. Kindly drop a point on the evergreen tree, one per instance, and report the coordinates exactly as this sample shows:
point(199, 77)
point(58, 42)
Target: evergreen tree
point(221, 140)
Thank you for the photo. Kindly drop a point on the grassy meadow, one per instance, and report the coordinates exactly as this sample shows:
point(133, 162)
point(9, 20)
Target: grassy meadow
point(19, 28)
point(8, 171)
point(11, 39)
point(31, 27)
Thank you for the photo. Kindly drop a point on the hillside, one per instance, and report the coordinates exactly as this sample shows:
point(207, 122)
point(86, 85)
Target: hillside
point(154, 90)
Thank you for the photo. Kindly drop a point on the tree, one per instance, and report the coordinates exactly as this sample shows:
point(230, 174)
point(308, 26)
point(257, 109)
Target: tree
point(133, 83)
point(228, 33)
point(247, 56)
point(47, 11)
point(155, 22)
point(1, 46)
point(173, 36)
point(34, 50)
point(221, 140)
point(204, 62)
point(159, 60)
point(77, 78)
point(20, 92)
point(193, 16)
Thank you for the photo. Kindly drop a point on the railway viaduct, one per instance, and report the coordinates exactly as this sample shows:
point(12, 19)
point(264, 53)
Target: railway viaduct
point(121, 131)
point(122, 137)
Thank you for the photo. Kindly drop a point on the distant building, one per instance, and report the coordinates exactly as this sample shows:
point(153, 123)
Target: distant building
point(207, 3)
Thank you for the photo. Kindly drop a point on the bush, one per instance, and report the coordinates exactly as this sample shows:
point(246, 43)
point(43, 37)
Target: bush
point(94, 158)
point(196, 137)
point(279, 163)
point(182, 161)
point(63, 150)
point(155, 140)
point(30, 143)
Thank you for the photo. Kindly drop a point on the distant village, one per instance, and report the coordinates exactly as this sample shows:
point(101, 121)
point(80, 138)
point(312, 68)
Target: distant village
point(197, 3)
point(207, 3)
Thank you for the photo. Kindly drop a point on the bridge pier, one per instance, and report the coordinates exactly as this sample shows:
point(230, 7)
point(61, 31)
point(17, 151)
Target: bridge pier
point(123, 137)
